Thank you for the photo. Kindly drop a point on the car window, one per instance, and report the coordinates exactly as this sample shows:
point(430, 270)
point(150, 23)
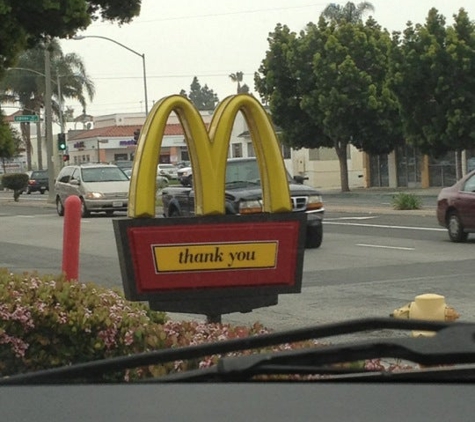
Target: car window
point(103, 174)
point(75, 175)
point(39, 174)
point(469, 185)
point(65, 174)
point(244, 171)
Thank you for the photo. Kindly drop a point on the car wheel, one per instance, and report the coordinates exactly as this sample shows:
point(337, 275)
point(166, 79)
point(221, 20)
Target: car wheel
point(59, 207)
point(455, 228)
point(42, 191)
point(84, 211)
point(314, 237)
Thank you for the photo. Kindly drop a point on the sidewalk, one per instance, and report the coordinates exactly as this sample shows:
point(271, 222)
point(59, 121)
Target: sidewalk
point(378, 200)
point(361, 200)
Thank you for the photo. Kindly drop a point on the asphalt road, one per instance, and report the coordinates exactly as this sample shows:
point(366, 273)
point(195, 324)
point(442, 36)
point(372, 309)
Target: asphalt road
point(372, 261)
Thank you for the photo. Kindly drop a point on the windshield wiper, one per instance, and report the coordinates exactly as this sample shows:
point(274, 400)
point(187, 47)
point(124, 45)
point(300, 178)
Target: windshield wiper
point(453, 344)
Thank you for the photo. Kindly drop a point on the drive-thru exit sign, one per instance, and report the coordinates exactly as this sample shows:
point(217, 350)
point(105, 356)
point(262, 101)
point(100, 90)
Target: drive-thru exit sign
point(27, 118)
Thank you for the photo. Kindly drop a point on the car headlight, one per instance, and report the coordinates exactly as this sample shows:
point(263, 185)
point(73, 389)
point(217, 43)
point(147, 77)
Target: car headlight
point(314, 202)
point(94, 195)
point(250, 207)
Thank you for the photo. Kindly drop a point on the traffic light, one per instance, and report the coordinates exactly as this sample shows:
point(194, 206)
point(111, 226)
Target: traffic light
point(136, 135)
point(62, 141)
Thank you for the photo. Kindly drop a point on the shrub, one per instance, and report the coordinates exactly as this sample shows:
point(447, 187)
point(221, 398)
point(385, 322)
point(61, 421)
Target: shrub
point(17, 182)
point(406, 201)
point(48, 322)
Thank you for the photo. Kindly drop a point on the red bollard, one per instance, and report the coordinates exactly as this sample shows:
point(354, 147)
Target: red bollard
point(71, 236)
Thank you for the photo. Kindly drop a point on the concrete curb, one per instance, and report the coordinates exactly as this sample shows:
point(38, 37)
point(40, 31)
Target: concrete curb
point(334, 201)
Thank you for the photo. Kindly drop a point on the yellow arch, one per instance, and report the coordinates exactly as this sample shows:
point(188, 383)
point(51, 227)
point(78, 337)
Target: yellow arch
point(208, 152)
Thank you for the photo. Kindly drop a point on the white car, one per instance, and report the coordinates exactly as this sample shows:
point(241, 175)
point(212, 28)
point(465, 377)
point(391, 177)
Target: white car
point(185, 175)
point(162, 181)
point(167, 170)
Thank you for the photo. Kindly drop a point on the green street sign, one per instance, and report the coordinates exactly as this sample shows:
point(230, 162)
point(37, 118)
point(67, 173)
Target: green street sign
point(27, 118)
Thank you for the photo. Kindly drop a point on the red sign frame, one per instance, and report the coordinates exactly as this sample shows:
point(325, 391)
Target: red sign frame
point(143, 278)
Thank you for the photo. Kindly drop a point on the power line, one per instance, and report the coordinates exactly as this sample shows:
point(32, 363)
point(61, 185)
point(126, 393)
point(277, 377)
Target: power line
point(218, 14)
point(191, 75)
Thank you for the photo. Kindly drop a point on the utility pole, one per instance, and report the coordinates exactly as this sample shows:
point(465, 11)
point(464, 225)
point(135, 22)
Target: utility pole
point(50, 150)
point(38, 141)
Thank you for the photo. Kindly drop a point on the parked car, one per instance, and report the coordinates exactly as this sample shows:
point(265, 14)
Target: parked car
point(182, 164)
point(167, 170)
point(162, 181)
point(456, 208)
point(123, 164)
point(38, 182)
point(101, 188)
point(185, 176)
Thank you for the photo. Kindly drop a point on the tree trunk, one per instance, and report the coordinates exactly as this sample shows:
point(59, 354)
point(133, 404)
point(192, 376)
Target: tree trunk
point(340, 148)
point(25, 134)
point(38, 142)
point(458, 164)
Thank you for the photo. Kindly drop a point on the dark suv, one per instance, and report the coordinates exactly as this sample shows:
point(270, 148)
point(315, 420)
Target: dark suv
point(244, 196)
point(38, 182)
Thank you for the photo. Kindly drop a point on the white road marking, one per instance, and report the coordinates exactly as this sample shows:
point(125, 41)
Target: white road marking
point(383, 226)
point(385, 247)
point(351, 218)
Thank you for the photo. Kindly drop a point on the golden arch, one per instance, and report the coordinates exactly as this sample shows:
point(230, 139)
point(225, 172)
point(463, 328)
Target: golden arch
point(208, 152)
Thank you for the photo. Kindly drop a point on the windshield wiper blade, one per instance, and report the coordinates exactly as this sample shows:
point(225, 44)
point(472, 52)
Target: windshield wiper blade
point(93, 370)
point(452, 345)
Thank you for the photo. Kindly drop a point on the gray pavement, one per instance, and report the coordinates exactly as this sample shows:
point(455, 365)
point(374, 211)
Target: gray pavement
point(370, 200)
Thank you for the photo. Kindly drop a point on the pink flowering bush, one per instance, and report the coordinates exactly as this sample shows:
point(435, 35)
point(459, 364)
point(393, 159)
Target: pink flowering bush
point(47, 322)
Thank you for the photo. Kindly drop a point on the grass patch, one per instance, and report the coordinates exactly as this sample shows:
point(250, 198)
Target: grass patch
point(406, 201)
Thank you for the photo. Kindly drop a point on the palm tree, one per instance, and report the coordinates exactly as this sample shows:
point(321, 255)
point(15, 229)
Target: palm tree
point(237, 78)
point(25, 84)
point(350, 12)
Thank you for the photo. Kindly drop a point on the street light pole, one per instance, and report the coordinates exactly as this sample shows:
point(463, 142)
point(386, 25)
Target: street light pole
point(50, 150)
point(81, 37)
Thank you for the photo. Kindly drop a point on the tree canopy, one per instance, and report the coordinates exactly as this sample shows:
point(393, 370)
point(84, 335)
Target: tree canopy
point(350, 12)
point(432, 69)
point(9, 141)
point(238, 78)
point(340, 82)
point(326, 87)
point(202, 97)
point(25, 84)
point(25, 23)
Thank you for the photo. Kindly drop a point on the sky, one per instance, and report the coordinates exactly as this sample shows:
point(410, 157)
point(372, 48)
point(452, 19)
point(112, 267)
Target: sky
point(209, 39)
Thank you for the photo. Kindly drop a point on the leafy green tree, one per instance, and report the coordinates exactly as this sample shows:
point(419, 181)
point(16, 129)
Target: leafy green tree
point(202, 97)
point(9, 142)
point(327, 88)
point(25, 23)
point(350, 12)
point(26, 84)
point(238, 78)
point(433, 78)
